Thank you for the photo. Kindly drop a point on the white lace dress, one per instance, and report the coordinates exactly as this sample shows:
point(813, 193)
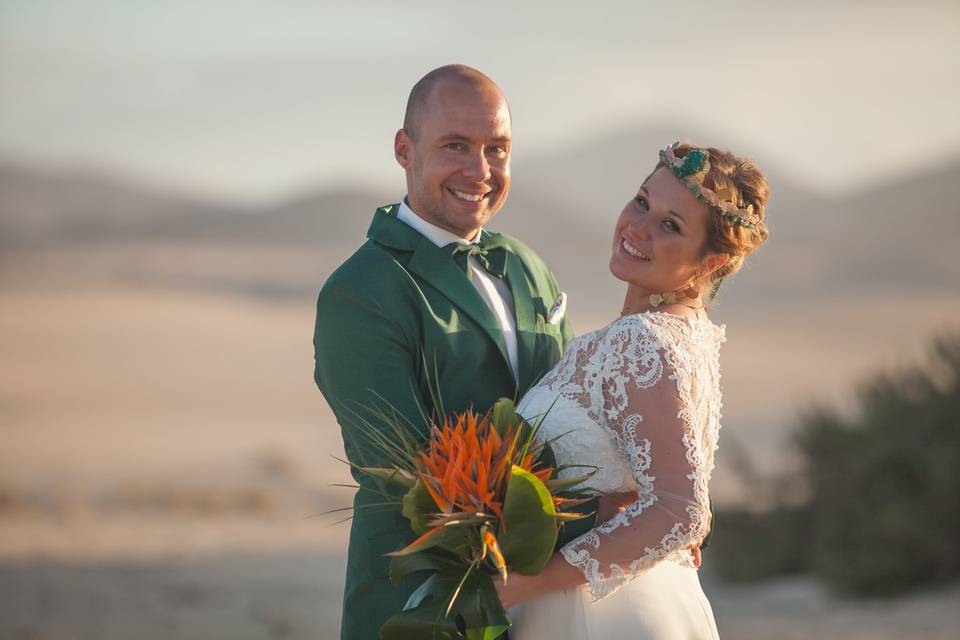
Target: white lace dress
point(640, 399)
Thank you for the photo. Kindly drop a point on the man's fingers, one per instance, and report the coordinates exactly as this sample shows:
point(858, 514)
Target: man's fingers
point(697, 558)
point(613, 503)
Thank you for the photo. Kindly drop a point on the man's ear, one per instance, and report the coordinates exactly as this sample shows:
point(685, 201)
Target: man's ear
point(402, 145)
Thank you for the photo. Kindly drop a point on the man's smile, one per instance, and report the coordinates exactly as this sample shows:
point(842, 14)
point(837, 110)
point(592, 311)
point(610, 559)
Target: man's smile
point(469, 197)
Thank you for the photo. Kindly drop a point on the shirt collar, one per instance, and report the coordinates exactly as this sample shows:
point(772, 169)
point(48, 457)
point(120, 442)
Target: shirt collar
point(433, 233)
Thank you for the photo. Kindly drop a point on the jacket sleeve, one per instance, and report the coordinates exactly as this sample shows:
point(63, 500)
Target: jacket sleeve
point(639, 387)
point(366, 360)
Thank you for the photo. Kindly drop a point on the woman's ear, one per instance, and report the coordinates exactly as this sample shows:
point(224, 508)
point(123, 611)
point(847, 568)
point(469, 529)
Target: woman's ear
point(714, 261)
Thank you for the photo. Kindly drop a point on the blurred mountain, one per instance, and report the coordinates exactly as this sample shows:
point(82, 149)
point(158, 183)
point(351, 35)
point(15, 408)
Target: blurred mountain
point(563, 203)
point(906, 232)
point(40, 208)
point(48, 209)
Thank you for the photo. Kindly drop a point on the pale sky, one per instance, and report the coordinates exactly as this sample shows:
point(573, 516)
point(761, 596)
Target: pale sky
point(251, 100)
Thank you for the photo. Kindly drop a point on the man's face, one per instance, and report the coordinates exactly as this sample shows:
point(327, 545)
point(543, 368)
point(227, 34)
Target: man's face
point(458, 158)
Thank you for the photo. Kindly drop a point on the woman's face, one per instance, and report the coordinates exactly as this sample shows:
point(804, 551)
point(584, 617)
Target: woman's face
point(659, 237)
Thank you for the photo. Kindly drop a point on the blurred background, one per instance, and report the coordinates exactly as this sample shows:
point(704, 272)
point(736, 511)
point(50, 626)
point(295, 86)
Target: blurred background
point(178, 179)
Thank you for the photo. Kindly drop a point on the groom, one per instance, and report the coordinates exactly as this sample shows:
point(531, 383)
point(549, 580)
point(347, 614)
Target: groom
point(431, 298)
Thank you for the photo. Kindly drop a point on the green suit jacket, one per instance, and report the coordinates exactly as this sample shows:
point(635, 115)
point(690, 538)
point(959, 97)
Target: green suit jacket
point(395, 316)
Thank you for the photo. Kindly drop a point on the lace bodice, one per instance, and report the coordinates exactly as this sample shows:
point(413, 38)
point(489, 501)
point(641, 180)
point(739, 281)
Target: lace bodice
point(640, 399)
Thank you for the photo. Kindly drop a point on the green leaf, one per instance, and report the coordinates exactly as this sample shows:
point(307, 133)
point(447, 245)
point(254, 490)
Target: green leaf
point(457, 518)
point(479, 609)
point(562, 484)
point(397, 476)
point(430, 560)
point(419, 508)
point(528, 532)
point(440, 536)
point(423, 622)
point(569, 503)
point(504, 415)
point(572, 516)
point(476, 614)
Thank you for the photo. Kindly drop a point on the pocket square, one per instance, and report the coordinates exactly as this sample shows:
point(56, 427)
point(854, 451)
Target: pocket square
point(557, 310)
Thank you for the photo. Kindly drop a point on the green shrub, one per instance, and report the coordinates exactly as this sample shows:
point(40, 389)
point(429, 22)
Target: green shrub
point(753, 546)
point(882, 512)
point(885, 483)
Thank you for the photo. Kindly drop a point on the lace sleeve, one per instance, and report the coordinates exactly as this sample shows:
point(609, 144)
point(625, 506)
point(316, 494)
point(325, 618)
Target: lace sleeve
point(644, 387)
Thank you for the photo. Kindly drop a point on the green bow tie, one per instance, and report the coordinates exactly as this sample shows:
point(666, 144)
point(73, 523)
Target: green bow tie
point(488, 252)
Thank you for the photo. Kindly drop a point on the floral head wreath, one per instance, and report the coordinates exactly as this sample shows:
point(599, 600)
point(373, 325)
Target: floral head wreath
point(691, 169)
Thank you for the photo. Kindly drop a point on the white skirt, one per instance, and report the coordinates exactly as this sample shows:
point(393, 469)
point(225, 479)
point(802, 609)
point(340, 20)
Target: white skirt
point(664, 602)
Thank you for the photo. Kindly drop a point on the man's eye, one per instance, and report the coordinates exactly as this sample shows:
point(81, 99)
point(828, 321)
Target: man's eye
point(499, 150)
point(454, 146)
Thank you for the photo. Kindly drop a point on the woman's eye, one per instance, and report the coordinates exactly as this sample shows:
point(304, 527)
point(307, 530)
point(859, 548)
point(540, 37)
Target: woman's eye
point(640, 200)
point(671, 224)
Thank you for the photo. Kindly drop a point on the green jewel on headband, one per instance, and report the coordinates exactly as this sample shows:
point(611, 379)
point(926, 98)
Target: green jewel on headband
point(691, 169)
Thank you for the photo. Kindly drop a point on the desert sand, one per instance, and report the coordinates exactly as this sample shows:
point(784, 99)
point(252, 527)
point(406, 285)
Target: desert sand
point(165, 455)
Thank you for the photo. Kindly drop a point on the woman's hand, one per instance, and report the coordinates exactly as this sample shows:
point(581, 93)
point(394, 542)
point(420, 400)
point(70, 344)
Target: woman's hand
point(557, 574)
point(511, 593)
point(611, 504)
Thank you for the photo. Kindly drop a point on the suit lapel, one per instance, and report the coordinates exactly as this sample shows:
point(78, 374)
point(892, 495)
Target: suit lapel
point(437, 267)
point(526, 320)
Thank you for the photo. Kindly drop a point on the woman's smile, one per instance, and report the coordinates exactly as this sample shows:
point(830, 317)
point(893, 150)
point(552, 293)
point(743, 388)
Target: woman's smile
point(633, 252)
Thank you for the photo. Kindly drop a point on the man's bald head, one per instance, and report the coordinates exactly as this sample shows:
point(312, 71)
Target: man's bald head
point(455, 149)
point(419, 98)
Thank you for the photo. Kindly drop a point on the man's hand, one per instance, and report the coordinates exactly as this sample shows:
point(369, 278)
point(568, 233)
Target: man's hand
point(613, 503)
point(695, 552)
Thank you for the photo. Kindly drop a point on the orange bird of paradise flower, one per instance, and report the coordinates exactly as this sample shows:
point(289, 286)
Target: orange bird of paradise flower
point(467, 464)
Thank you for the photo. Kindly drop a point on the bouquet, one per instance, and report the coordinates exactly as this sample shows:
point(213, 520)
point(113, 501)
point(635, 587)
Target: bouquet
point(483, 504)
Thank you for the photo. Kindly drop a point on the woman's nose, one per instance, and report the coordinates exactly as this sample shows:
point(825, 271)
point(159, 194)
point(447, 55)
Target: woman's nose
point(640, 227)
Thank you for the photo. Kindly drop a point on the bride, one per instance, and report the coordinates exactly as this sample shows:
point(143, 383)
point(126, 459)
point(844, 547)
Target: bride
point(640, 399)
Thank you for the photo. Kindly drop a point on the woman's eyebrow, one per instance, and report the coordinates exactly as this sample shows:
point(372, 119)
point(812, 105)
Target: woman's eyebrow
point(647, 193)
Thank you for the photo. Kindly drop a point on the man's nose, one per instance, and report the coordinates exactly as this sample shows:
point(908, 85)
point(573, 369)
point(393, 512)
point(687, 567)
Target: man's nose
point(476, 167)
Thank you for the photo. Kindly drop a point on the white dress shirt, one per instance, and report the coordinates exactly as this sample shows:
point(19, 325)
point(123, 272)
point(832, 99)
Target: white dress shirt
point(493, 290)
